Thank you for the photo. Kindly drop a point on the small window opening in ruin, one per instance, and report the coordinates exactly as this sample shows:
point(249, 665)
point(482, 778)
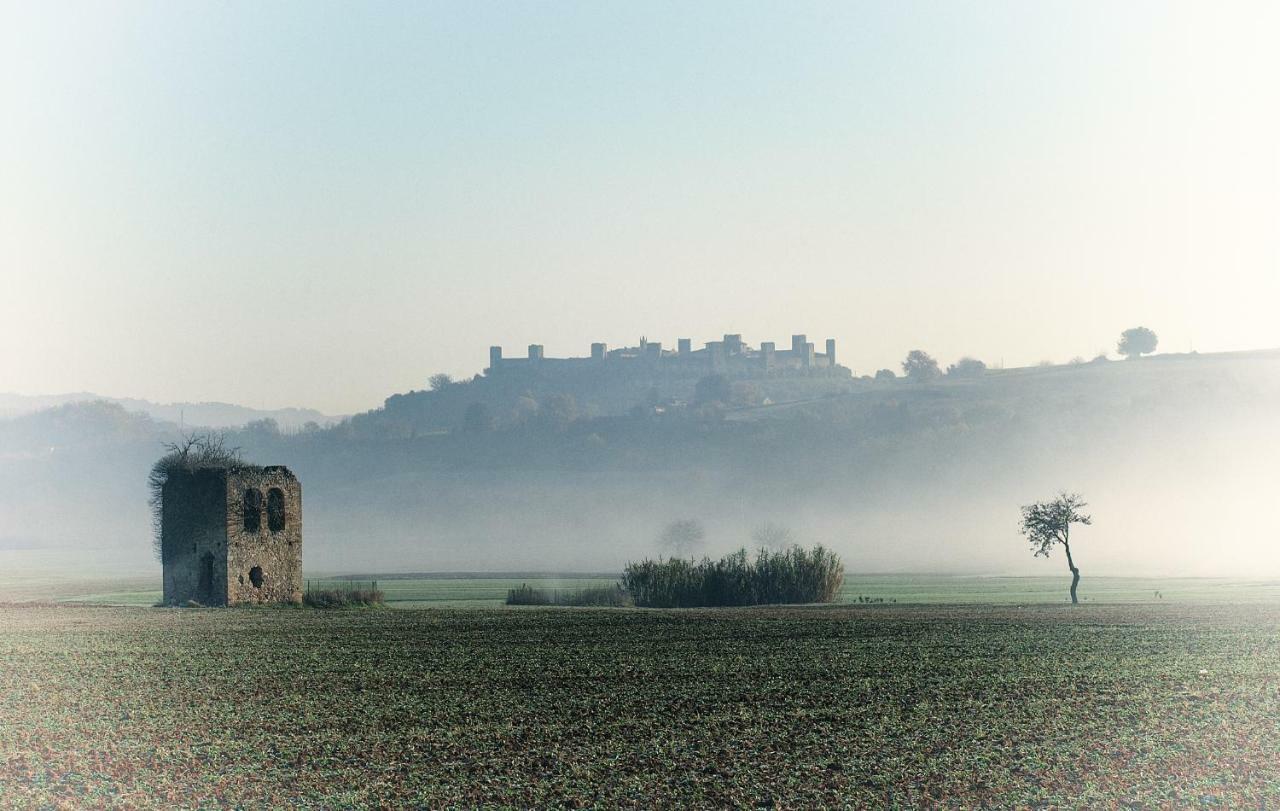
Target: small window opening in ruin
point(275, 509)
point(252, 509)
point(255, 577)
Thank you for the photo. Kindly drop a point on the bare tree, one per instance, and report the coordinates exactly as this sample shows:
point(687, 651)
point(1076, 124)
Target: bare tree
point(439, 381)
point(1046, 523)
point(683, 537)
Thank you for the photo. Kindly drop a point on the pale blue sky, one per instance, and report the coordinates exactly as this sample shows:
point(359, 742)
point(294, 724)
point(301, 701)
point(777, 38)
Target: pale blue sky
point(321, 204)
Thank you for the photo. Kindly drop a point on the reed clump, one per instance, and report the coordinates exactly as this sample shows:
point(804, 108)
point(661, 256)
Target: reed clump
point(793, 575)
point(343, 594)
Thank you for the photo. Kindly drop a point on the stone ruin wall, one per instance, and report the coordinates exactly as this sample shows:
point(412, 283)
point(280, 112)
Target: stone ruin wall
point(264, 565)
point(192, 538)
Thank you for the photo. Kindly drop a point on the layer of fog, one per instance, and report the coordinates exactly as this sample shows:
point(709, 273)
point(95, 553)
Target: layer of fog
point(1174, 505)
point(1175, 489)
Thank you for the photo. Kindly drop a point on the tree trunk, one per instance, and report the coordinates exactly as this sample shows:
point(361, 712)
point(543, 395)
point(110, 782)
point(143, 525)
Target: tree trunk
point(1075, 574)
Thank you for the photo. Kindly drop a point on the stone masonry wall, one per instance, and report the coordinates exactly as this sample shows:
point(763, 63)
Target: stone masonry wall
point(264, 564)
point(193, 539)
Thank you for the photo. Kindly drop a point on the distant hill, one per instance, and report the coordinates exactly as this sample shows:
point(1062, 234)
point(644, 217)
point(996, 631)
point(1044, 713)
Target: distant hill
point(203, 415)
point(509, 401)
point(1176, 454)
point(80, 426)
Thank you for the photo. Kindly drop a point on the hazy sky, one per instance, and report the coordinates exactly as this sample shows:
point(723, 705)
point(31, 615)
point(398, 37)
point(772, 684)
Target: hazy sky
point(322, 204)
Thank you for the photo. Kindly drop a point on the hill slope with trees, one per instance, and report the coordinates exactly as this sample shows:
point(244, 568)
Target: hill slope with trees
point(892, 474)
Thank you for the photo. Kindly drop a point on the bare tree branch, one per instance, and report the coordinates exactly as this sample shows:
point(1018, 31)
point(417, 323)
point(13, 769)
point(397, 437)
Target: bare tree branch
point(192, 452)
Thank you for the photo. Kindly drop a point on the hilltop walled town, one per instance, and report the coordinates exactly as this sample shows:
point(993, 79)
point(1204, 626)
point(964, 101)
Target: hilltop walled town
point(730, 356)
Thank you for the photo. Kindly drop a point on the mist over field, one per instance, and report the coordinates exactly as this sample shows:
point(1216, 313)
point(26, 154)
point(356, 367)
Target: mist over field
point(1175, 455)
point(591, 404)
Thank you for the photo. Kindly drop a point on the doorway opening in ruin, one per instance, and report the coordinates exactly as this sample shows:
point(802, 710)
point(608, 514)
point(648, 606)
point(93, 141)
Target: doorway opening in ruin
point(204, 583)
point(275, 509)
point(252, 509)
point(255, 577)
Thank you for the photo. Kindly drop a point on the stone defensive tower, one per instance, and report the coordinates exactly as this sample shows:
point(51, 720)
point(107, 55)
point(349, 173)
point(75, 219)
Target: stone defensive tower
point(232, 535)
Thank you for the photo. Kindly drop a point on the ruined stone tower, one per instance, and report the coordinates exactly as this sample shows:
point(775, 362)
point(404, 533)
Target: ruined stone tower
point(232, 535)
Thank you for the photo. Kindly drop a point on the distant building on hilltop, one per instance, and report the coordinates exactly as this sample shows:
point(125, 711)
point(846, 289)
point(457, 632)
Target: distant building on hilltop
point(232, 535)
point(730, 357)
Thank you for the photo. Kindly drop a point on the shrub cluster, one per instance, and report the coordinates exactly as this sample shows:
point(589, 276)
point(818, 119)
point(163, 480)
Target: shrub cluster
point(794, 575)
point(343, 595)
point(612, 596)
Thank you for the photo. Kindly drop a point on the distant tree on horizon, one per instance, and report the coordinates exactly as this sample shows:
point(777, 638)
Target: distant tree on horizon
point(440, 381)
point(683, 537)
point(886, 374)
point(967, 367)
point(1046, 523)
point(920, 366)
point(1137, 342)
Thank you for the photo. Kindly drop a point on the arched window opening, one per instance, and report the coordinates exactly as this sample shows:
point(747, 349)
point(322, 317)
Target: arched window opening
point(252, 509)
point(255, 577)
point(275, 509)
